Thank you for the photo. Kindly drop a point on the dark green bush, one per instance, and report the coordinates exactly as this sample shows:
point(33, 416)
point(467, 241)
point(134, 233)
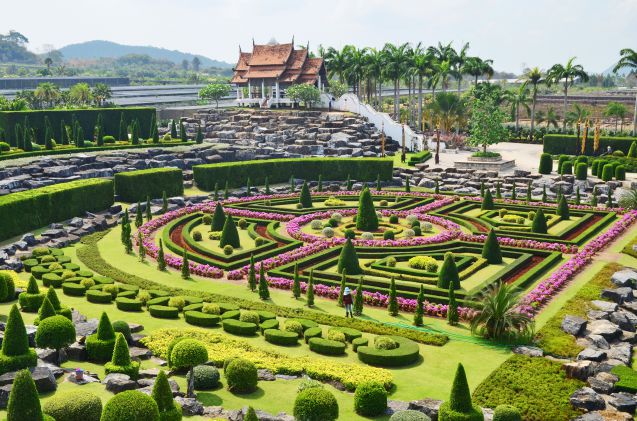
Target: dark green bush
point(100, 345)
point(459, 406)
point(348, 260)
point(52, 280)
point(76, 405)
point(506, 413)
point(546, 163)
point(326, 346)
point(406, 353)
point(15, 353)
point(359, 342)
point(312, 332)
point(24, 403)
point(581, 171)
point(230, 314)
point(120, 326)
point(370, 399)
point(315, 404)
point(491, 249)
point(241, 376)
point(238, 327)
point(121, 361)
point(206, 377)
point(567, 167)
point(188, 353)
point(73, 289)
point(130, 405)
point(128, 304)
point(199, 318)
point(608, 172)
point(620, 173)
point(55, 332)
point(169, 410)
point(568, 144)
point(39, 271)
point(162, 301)
point(134, 186)
point(7, 287)
point(281, 337)
point(269, 324)
point(163, 312)
point(98, 297)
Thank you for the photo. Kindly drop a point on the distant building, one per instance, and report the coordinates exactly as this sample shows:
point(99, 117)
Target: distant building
point(262, 76)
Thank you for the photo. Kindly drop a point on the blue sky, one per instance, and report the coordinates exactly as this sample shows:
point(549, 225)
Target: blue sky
point(512, 33)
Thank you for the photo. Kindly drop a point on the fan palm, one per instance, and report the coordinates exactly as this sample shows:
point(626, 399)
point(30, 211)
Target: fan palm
point(629, 61)
point(534, 77)
point(518, 98)
point(448, 108)
point(567, 74)
point(578, 113)
point(499, 316)
point(47, 92)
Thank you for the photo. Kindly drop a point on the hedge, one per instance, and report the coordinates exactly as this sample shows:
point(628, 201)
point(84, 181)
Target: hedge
point(230, 314)
point(73, 289)
point(133, 186)
point(359, 342)
point(326, 346)
point(236, 174)
point(238, 327)
point(281, 337)
point(52, 280)
point(98, 297)
point(163, 312)
point(313, 332)
point(419, 157)
point(74, 405)
point(198, 318)
point(162, 301)
point(407, 353)
point(269, 324)
point(556, 144)
point(627, 379)
point(350, 334)
point(128, 304)
point(24, 211)
point(85, 117)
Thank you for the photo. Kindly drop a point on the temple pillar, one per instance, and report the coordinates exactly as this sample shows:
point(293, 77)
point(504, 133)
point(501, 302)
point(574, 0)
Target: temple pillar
point(249, 90)
point(263, 88)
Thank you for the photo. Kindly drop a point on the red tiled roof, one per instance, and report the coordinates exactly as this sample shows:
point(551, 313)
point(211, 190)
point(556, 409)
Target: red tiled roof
point(242, 64)
point(271, 54)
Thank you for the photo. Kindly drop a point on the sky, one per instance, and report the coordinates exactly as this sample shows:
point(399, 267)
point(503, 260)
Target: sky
point(514, 33)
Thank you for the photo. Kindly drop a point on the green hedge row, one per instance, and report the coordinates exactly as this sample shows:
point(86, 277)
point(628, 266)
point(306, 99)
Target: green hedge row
point(407, 353)
point(199, 318)
point(419, 157)
point(236, 174)
point(556, 144)
point(163, 312)
point(281, 337)
point(27, 210)
point(86, 118)
point(238, 327)
point(326, 346)
point(133, 186)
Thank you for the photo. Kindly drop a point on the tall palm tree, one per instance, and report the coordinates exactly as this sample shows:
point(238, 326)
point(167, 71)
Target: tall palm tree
point(356, 66)
point(534, 77)
point(629, 61)
point(395, 58)
point(47, 92)
point(374, 72)
point(617, 111)
point(423, 69)
point(459, 60)
point(518, 98)
point(447, 108)
point(476, 67)
point(443, 71)
point(550, 118)
point(566, 74)
point(336, 62)
point(499, 316)
point(578, 113)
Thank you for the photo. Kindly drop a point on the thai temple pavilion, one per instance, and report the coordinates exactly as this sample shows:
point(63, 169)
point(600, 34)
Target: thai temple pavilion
point(262, 76)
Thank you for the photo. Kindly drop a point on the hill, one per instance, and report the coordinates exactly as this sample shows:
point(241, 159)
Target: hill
point(99, 49)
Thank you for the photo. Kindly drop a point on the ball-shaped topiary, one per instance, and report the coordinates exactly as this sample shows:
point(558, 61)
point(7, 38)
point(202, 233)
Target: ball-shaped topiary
point(506, 413)
point(385, 342)
point(249, 316)
point(130, 405)
point(76, 405)
point(409, 415)
point(294, 326)
point(370, 399)
point(206, 377)
point(123, 328)
point(388, 235)
point(546, 163)
point(55, 332)
point(241, 376)
point(315, 404)
point(188, 353)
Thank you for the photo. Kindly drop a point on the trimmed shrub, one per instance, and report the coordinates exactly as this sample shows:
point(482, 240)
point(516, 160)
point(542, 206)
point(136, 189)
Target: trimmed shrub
point(581, 171)
point(121, 361)
point(249, 316)
point(350, 334)
point(539, 225)
point(608, 172)
point(359, 342)
point(98, 297)
point(177, 302)
point(52, 280)
point(313, 332)
point(385, 342)
point(281, 337)
point(459, 406)
point(163, 312)
point(188, 353)
point(406, 353)
point(348, 260)
point(295, 327)
point(206, 377)
point(73, 289)
point(315, 404)
point(409, 415)
point(24, 403)
point(199, 318)
point(31, 300)
point(229, 234)
point(546, 163)
point(169, 410)
point(620, 173)
point(568, 144)
point(133, 186)
point(327, 346)
point(76, 405)
point(162, 301)
point(370, 399)
point(269, 324)
point(230, 314)
point(567, 167)
point(100, 345)
point(335, 335)
point(238, 327)
point(55, 332)
point(448, 273)
point(128, 304)
point(506, 413)
point(491, 249)
point(562, 209)
point(131, 405)
point(15, 353)
point(366, 218)
point(241, 376)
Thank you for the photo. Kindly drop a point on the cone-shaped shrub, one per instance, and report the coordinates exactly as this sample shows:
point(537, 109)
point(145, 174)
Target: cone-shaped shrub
point(250, 415)
point(437, 188)
point(185, 266)
point(99, 346)
point(252, 275)
point(594, 197)
point(296, 286)
point(15, 353)
point(544, 195)
point(31, 299)
point(448, 274)
point(24, 403)
point(420, 307)
point(578, 196)
point(348, 259)
point(539, 223)
point(366, 218)
point(53, 298)
point(248, 187)
point(230, 235)
point(163, 395)
point(305, 198)
point(459, 406)
point(487, 200)
point(46, 310)
point(407, 185)
point(149, 210)
point(452, 308)
point(491, 249)
point(342, 288)
point(514, 194)
point(358, 298)
point(498, 191)
point(632, 152)
point(161, 260)
point(608, 172)
point(546, 163)
point(392, 305)
point(348, 183)
point(120, 361)
point(139, 217)
point(581, 171)
point(309, 293)
point(218, 218)
point(226, 192)
point(264, 292)
point(562, 209)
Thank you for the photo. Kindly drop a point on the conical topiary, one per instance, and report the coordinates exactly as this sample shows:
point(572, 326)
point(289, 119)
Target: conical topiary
point(459, 405)
point(498, 191)
point(46, 310)
point(139, 217)
point(161, 260)
point(358, 298)
point(16, 341)
point(105, 330)
point(544, 195)
point(229, 234)
point(185, 266)
point(420, 310)
point(218, 218)
point(296, 285)
point(24, 402)
point(407, 185)
point(309, 293)
point(342, 287)
point(319, 187)
point(539, 223)
point(252, 275)
point(487, 200)
point(264, 292)
point(491, 249)
point(392, 305)
point(250, 415)
point(366, 218)
point(448, 273)
point(163, 396)
point(149, 210)
point(562, 209)
point(121, 353)
point(53, 298)
point(452, 307)
point(267, 185)
point(305, 198)
point(348, 259)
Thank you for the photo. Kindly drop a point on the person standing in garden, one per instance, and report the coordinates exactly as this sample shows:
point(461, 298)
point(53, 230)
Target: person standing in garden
point(347, 302)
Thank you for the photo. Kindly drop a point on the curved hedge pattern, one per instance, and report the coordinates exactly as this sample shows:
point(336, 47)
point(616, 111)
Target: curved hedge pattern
point(238, 327)
point(407, 353)
point(326, 346)
point(163, 312)
point(199, 318)
point(281, 337)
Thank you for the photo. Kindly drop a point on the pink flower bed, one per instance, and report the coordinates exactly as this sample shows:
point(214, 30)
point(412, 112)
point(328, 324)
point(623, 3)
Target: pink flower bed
point(548, 204)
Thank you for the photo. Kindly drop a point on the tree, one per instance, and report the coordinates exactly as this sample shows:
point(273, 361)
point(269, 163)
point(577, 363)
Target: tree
point(566, 74)
point(487, 200)
point(149, 211)
point(164, 202)
point(173, 129)
point(539, 223)
point(80, 94)
point(499, 316)
point(121, 360)
point(420, 311)
point(562, 209)
point(302, 92)
point(161, 260)
point(264, 292)
point(248, 187)
point(486, 123)
point(629, 61)
point(459, 405)
point(24, 402)
point(448, 274)
point(183, 133)
point(218, 218)
point(139, 217)
point(196, 62)
point(358, 298)
point(229, 234)
point(250, 415)
point(101, 93)
point(64, 139)
point(491, 249)
point(141, 250)
point(189, 353)
point(366, 218)
point(305, 198)
point(296, 285)
point(46, 310)
point(618, 111)
point(309, 292)
point(199, 137)
point(48, 134)
point(518, 98)
point(452, 307)
point(214, 92)
point(348, 259)
point(15, 346)
point(392, 304)
point(267, 185)
point(252, 275)
point(337, 88)
point(407, 186)
point(163, 395)
point(185, 266)
point(55, 332)
point(342, 287)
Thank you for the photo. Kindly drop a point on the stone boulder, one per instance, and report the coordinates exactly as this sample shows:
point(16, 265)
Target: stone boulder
point(625, 278)
point(42, 376)
point(618, 295)
point(190, 406)
point(117, 382)
point(573, 325)
point(587, 399)
point(605, 328)
point(429, 407)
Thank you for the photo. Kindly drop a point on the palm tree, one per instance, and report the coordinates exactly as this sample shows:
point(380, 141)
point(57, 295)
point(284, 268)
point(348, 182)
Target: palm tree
point(47, 92)
point(617, 111)
point(549, 118)
point(374, 73)
point(499, 316)
point(578, 113)
point(518, 99)
point(423, 69)
point(48, 62)
point(534, 77)
point(337, 62)
point(566, 74)
point(80, 93)
point(459, 60)
point(447, 107)
point(629, 60)
point(476, 67)
point(355, 66)
point(444, 55)
point(395, 58)
point(102, 92)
